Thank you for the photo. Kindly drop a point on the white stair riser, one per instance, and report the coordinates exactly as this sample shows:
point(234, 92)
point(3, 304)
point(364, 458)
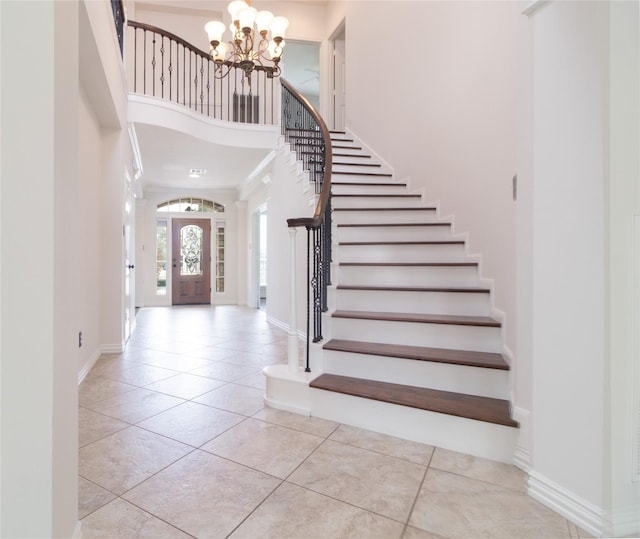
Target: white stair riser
point(345, 140)
point(392, 233)
point(359, 178)
point(374, 202)
point(485, 440)
point(481, 339)
point(399, 253)
point(378, 216)
point(450, 276)
point(363, 188)
point(443, 376)
point(346, 165)
point(449, 303)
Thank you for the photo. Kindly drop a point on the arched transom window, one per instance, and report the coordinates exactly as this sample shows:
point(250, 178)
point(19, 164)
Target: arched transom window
point(191, 204)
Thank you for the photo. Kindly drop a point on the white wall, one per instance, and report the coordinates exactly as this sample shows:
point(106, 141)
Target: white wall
point(45, 185)
point(569, 256)
point(585, 162)
point(306, 20)
point(522, 368)
point(622, 490)
point(38, 354)
point(89, 238)
point(448, 114)
point(289, 197)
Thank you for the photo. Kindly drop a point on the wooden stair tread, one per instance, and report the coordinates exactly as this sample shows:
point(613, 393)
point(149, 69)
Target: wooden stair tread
point(467, 358)
point(410, 208)
point(392, 224)
point(469, 406)
point(446, 319)
point(363, 156)
point(433, 242)
point(370, 184)
point(352, 173)
point(405, 264)
point(376, 195)
point(356, 164)
point(469, 290)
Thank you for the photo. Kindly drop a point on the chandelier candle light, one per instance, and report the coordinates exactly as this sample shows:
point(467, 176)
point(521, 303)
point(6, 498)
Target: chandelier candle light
point(244, 38)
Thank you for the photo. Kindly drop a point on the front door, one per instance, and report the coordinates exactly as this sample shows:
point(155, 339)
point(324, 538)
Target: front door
point(191, 261)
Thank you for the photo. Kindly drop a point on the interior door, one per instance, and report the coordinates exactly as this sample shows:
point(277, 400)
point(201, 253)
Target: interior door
point(129, 281)
point(191, 261)
point(339, 80)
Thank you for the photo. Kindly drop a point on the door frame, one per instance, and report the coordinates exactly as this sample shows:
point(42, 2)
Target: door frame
point(128, 258)
point(255, 255)
point(338, 35)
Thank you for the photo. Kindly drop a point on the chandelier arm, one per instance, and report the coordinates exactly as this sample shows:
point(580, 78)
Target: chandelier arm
point(221, 69)
point(263, 48)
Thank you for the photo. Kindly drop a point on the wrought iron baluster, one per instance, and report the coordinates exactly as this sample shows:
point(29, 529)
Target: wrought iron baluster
point(184, 76)
point(316, 284)
point(162, 67)
point(208, 89)
point(201, 84)
point(153, 65)
point(144, 64)
point(135, 60)
point(170, 70)
point(307, 369)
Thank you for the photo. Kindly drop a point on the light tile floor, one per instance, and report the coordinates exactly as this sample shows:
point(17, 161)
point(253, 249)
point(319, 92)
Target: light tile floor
point(175, 441)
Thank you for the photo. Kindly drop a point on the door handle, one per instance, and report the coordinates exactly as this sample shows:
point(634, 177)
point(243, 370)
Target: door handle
point(130, 266)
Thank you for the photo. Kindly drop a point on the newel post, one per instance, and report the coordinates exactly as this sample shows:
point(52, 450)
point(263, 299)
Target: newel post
point(293, 362)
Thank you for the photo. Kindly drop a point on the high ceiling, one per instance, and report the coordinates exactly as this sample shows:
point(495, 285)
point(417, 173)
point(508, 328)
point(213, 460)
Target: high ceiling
point(168, 155)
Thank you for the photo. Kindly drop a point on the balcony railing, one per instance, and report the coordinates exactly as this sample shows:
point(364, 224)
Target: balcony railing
point(164, 65)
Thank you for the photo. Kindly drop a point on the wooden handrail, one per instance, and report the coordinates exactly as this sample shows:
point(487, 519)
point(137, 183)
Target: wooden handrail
point(151, 28)
point(164, 63)
point(186, 44)
point(323, 200)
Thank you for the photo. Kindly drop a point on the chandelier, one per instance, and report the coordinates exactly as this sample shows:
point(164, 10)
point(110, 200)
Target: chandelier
point(250, 48)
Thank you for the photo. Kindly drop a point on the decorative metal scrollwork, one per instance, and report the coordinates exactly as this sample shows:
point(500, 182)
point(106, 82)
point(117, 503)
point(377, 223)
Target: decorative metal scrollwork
point(191, 250)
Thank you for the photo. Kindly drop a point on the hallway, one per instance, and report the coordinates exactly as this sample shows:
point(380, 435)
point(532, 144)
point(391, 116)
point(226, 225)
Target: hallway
point(175, 442)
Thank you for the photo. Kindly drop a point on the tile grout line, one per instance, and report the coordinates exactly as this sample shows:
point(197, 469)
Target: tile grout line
point(415, 500)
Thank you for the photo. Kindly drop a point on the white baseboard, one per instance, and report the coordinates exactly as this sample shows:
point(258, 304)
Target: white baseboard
point(522, 458)
point(88, 365)
point(564, 502)
point(112, 348)
point(77, 532)
point(282, 325)
point(91, 361)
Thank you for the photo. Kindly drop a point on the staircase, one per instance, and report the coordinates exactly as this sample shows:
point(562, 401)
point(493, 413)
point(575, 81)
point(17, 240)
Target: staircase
point(414, 351)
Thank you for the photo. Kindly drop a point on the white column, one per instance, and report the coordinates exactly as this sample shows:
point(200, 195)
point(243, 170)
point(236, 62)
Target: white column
point(294, 366)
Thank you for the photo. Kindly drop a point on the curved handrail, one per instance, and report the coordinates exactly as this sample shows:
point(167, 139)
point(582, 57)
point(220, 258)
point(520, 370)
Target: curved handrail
point(204, 55)
point(165, 65)
point(165, 33)
point(323, 200)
